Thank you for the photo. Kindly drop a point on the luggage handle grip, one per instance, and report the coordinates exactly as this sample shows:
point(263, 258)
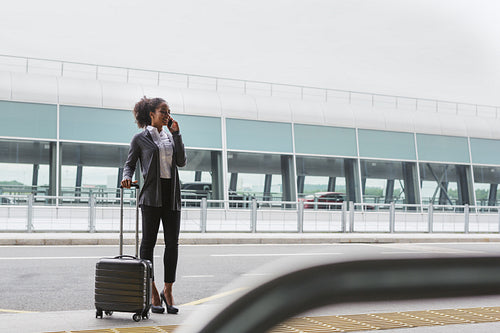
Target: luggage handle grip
point(136, 219)
point(131, 185)
point(124, 256)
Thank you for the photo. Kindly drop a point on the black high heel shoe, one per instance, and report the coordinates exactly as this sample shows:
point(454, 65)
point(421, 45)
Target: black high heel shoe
point(170, 308)
point(157, 309)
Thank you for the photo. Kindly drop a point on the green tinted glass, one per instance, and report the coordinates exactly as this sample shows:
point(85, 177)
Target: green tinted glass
point(325, 140)
point(37, 120)
point(95, 124)
point(382, 144)
point(442, 148)
point(259, 135)
point(200, 131)
point(485, 151)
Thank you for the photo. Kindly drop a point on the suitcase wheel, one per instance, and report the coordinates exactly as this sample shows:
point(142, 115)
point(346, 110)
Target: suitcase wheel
point(108, 313)
point(145, 315)
point(98, 313)
point(136, 317)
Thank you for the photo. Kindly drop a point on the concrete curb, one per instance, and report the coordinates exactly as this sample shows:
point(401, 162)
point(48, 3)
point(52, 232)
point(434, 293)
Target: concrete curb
point(239, 238)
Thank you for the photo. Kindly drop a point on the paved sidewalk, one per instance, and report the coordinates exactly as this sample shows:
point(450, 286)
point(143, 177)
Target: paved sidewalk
point(37, 322)
point(478, 319)
point(101, 238)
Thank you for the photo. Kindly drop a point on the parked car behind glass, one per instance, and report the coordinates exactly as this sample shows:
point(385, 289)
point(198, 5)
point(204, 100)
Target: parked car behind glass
point(198, 190)
point(327, 200)
point(324, 200)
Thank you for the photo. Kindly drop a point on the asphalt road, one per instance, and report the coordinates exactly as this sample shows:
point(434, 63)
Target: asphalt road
point(58, 278)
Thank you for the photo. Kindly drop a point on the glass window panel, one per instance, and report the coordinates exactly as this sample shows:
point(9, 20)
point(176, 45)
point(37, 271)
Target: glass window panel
point(202, 177)
point(190, 176)
point(38, 120)
point(486, 180)
point(97, 155)
point(100, 177)
point(446, 184)
point(96, 124)
point(251, 185)
point(43, 175)
point(324, 140)
point(259, 135)
point(91, 167)
point(276, 187)
point(16, 174)
point(24, 166)
point(313, 184)
point(485, 151)
point(482, 194)
point(375, 191)
point(387, 181)
point(381, 144)
point(429, 193)
point(68, 177)
point(442, 148)
point(200, 132)
point(316, 175)
point(260, 176)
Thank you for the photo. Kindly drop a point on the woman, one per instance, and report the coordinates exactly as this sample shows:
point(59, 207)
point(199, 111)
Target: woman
point(160, 153)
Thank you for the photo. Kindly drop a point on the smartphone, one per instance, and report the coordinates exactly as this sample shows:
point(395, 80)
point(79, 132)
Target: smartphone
point(169, 124)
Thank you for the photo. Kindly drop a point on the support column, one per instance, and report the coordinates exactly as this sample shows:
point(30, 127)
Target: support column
point(197, 174)
point(288, 178)
point(331, 184)
point(78, 183)
point(53, 168)
point(300, 184)
point(34, 180)
point(267, 187)
point(351, 181)
point(389, 191)
point(464, 185)
point(492, 197)
point(410, 178)
point(233, 183)
point(216, 166)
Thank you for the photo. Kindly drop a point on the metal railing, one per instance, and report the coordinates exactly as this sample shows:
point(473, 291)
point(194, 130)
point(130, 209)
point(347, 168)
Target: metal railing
point(247, 87)
point(91, 213)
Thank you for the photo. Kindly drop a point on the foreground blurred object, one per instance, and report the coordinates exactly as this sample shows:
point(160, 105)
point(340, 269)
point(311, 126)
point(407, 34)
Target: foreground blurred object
point(366, 280)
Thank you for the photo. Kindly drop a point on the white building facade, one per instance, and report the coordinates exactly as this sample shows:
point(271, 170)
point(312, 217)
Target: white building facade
point(66, 127)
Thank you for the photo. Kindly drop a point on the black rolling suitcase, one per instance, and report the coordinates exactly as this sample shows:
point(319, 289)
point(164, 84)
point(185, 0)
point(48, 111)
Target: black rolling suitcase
point(123, 283)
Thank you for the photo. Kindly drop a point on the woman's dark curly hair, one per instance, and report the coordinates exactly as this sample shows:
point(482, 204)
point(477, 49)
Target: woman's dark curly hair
point(143, 108)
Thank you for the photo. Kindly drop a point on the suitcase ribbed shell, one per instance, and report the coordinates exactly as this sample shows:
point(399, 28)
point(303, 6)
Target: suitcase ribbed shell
point(123, 284)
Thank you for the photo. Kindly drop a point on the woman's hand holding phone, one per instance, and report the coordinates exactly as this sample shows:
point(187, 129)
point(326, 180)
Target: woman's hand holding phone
point(173, 126)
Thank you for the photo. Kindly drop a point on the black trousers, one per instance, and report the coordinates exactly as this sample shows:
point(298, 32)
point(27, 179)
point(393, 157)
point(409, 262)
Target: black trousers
point(171, 220)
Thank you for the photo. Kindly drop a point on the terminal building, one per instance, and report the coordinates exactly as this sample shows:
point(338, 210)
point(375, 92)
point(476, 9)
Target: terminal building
point(66, 128)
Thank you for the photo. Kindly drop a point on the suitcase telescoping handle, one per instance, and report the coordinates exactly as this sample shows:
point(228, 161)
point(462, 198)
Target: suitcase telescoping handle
point(136, 219)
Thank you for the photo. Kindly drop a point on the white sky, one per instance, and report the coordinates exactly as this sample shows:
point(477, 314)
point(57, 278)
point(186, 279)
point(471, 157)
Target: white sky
point(443, 49)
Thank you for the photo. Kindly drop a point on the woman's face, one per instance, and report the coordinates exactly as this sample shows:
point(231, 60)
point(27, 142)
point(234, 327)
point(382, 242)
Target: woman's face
point(161, 115)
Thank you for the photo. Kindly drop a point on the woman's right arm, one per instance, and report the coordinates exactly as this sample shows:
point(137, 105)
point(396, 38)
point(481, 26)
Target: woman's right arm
point(129, 168)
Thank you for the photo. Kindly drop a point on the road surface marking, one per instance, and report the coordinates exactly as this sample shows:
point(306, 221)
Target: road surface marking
point(216, 296)
point(16, 311)
point(273, 254)
point(412, 252)
point(425, 248)
point(59, 258)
